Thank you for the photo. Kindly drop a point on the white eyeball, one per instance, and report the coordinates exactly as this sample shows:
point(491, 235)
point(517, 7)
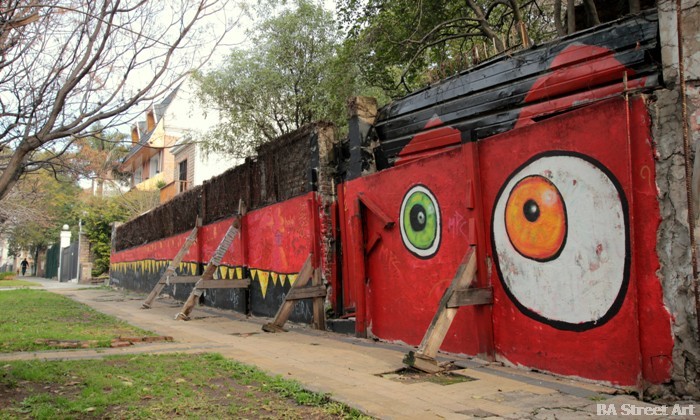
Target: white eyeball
point(561, 237)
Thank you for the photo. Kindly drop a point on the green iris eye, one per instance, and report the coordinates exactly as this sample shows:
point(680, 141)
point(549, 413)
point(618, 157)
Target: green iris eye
point(420, 222)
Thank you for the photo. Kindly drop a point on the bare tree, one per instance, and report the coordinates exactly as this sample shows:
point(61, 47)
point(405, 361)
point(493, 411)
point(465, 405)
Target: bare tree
point(66, 65)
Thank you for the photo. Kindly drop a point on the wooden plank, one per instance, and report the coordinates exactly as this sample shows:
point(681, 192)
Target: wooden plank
point(224, 284)
point(224, 245)
point(471, 296)
point(374, 208)
point(210, 269)
point(181, 279)
point(189, 303)
point(442, 320)
point(170, 271)
point(285, 310)
point(318, 303)
point(306, 292)
point(422, 363)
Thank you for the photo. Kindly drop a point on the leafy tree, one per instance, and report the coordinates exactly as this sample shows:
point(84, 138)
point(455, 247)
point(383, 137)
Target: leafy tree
point(293, 73)
point(98, 158)
point(67, 65)
point(36, 210)
point(406, 44)
point(98, 215)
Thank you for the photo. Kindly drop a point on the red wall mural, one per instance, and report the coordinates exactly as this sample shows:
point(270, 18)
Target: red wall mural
point(273, 244)
point(561, 206)
point(575, 289)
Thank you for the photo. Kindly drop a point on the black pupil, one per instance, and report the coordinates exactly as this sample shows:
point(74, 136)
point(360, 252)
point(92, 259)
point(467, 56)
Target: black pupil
point(531, 210)
point(417, 217)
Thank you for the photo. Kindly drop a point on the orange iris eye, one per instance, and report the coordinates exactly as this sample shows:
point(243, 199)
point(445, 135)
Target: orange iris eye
point(536, 218)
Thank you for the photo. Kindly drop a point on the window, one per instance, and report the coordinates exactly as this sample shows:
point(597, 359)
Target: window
point(154, 166)
point(182, 176)
point(138, 175)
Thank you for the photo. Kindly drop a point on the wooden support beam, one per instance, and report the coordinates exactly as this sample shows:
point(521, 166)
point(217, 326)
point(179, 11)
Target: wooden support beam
point(210, 269)
point(306, 292)
point(424, 357)
point(224, 284)
point(285, 310)
point(471, 296)
point(318, 303)
point(181, 279)
point(170, 271)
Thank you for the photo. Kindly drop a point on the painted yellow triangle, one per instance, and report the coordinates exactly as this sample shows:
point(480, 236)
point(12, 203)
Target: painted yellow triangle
point(224, 272)
point(283, 279)
point(253, 274)
point(239, 272)
point(292, 278)
point(274, 277)
point(193, 268)
point(263, 279)
point(263, 276)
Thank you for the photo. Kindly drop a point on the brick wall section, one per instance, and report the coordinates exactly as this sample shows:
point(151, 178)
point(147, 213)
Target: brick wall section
point(282, 169)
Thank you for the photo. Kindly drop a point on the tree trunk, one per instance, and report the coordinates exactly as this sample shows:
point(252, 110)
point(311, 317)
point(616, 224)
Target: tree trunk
point(635, 6)
point(12, 171)
point(570, 16)
point(558, 23)
point(591, 13)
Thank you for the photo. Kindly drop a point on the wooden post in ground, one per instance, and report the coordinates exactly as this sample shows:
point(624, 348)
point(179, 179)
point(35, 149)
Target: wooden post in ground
point(210, 269)
point(424, 358)
point(297, 292)
point(170, 271)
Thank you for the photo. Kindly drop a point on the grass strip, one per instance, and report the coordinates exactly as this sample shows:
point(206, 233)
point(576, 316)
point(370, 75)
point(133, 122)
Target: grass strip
point(31, 315)
point(157, 386)
point(18, 283)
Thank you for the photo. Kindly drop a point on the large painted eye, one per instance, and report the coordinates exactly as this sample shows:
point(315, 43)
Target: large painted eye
point(535, 218)
point(420, 222)
point(560, 235)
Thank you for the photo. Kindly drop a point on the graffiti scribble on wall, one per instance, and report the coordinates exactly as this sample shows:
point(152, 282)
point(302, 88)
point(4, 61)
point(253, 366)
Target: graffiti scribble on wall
point(561, 236)
point(420, 222)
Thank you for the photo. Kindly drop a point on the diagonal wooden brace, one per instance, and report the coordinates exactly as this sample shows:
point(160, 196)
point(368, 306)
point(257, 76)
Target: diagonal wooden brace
point(170, 271)
point(306, 274)
point(210, 269)
point(424, 358)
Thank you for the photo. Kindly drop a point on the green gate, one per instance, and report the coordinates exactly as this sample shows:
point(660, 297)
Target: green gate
point(52, 261)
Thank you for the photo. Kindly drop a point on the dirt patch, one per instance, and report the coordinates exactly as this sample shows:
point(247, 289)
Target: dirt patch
point(407, 375)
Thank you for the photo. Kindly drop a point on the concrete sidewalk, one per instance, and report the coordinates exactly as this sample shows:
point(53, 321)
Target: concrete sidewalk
point(348, 368)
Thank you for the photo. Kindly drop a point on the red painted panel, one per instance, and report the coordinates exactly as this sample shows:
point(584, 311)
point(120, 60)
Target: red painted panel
point(276, 238)
point(404, 281)
point(597, 335)
point(578, 67)
point(279, 236)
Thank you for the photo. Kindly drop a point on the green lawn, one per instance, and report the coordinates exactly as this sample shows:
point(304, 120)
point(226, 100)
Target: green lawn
point(18, 283)
point(156, 386)
point(30, 315)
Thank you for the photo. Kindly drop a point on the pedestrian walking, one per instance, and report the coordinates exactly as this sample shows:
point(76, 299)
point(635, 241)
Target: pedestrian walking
point(24, 265)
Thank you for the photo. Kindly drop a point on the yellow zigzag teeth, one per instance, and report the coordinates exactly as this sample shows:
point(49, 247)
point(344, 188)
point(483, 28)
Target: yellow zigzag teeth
point(223, 272)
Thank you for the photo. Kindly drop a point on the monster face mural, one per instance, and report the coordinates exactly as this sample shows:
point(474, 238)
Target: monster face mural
point(420, 222)
point(560, 233)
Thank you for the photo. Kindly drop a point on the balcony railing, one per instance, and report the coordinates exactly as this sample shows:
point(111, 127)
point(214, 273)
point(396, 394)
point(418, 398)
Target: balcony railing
point(173, 189)
point(151, 183)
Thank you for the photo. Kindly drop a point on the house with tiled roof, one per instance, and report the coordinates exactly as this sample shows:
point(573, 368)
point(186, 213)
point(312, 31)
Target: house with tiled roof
point(164, 154)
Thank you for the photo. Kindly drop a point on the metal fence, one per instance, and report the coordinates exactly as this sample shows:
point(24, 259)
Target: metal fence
point(69, 262)
point(52, 261)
